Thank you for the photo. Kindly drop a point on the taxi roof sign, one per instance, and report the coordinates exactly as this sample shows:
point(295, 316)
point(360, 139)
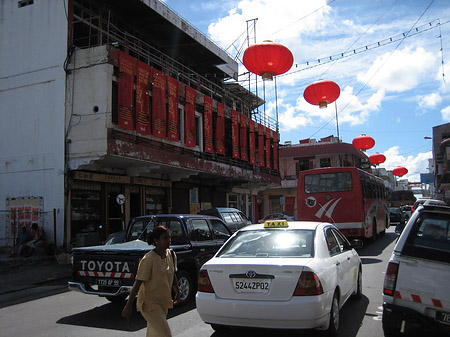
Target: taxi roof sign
point(276, 224)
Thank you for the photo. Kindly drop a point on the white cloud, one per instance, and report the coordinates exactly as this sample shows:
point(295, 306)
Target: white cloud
point(401, 70)
point(446, 114)
point(415, 164)
point(430, 101)
point(350, 111)
point(277, 20)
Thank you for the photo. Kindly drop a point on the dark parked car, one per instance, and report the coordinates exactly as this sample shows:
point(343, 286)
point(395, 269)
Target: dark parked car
point(109, 270)
point(234, 218)
point(396, 215)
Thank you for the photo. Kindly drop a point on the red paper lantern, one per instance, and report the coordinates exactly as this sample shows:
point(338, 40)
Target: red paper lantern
point(363, 142)
point(400, 171)
point(377, 158)
point(322, 93)
point(268, 59)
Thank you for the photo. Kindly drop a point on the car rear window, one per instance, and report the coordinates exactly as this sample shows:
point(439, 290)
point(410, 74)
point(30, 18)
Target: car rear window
point(270, 244)
point(429, 238)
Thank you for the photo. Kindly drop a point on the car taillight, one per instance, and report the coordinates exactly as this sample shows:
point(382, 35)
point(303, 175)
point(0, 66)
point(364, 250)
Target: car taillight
point(308, 284)
point(204, 283)
point(390, 279)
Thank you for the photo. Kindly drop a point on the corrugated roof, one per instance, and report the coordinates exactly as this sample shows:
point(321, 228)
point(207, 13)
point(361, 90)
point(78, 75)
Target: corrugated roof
point(319, 149)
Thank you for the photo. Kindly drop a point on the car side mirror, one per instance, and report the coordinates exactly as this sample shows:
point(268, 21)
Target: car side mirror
point(357, 243)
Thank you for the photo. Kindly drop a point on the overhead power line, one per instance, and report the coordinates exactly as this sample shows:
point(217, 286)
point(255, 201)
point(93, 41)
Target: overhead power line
point(399, 37)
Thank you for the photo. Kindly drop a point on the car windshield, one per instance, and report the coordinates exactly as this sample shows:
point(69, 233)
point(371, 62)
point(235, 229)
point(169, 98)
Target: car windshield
point(394, 210)
point(270, 244)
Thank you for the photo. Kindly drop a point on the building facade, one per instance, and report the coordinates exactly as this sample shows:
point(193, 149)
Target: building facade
point(114, 109)
point(441, 158)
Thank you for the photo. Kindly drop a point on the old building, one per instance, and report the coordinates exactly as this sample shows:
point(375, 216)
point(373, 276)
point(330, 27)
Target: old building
point(113, 109)
point(308, 154)
point(441, 155)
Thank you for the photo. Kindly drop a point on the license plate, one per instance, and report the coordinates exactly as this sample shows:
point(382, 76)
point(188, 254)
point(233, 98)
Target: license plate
point(443, 317)
point(259, 286)
point(108, 282)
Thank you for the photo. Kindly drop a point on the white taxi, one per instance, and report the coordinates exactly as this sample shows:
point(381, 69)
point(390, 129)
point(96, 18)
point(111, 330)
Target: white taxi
point(300, 272)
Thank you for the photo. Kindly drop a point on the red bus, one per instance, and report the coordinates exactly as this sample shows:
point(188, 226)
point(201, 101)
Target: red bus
point(353, 200)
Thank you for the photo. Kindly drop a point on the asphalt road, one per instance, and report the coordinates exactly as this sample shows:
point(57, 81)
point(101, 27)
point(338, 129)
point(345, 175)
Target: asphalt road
point(50, 310)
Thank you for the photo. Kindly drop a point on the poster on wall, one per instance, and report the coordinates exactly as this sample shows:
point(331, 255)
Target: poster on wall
point(208, 124)
point(173, 132)
point(235, 134)
point(190, 117)
point(126, 88)
point(23, 212)
point(252, 142)
point(158, 103)
point(243, 137)
point(143, 98)
point(220, 129)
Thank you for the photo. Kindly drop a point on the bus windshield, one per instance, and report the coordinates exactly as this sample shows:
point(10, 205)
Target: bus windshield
point(328, 182)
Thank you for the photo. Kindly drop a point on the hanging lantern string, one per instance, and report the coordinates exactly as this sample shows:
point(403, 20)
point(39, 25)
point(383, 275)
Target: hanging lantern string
point(370, 47)
point(375, 73)
point(356, 51)
point(359, 38)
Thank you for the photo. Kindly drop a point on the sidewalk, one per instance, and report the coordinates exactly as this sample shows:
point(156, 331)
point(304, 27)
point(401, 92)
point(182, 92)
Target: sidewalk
point(22, 273)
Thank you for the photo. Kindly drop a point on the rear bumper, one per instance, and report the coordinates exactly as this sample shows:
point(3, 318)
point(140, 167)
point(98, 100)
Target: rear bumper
point(395, 314)
point(80, 287)
point(308, 312)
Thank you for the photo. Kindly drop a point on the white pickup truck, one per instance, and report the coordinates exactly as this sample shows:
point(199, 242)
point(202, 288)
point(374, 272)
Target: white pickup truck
point(415, 291)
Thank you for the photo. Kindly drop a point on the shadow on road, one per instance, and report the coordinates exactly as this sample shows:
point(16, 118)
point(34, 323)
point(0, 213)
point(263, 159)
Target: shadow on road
point(108, 316)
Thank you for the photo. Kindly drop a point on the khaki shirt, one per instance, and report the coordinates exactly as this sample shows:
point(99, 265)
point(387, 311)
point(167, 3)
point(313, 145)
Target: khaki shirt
point(157, 276)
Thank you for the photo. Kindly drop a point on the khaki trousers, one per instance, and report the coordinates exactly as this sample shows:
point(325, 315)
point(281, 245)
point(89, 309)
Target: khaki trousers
point(157, 325)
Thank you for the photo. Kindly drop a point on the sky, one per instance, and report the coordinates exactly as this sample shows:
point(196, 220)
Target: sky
point(390, 58)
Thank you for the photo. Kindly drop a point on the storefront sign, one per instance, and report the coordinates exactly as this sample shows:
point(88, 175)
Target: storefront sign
point(105, 178)
point(151, 182)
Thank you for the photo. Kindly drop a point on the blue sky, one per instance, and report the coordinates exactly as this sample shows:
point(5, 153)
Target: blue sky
point(395, 92)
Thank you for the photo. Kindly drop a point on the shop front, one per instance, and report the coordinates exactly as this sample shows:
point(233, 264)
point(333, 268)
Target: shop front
point(102, 204)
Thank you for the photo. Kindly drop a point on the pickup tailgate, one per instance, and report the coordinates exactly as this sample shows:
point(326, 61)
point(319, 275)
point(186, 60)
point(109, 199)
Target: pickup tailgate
point(420, 285)
point(106, 268)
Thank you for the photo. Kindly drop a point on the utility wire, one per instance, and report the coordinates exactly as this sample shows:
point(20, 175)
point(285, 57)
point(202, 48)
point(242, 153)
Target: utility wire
point(359, 38)
point(379, 68)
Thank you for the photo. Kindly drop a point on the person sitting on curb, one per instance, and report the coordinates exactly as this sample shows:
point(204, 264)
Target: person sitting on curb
point(36, 242)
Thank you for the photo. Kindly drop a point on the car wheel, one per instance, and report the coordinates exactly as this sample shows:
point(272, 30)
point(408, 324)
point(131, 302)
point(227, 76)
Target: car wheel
point(391, 326)
point(334, 318)
point(185, 285)
point(220, 328)
point(358, 292)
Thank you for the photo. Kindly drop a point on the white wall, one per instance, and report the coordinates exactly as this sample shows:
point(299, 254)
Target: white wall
point(32, 94)
point(88, 86)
